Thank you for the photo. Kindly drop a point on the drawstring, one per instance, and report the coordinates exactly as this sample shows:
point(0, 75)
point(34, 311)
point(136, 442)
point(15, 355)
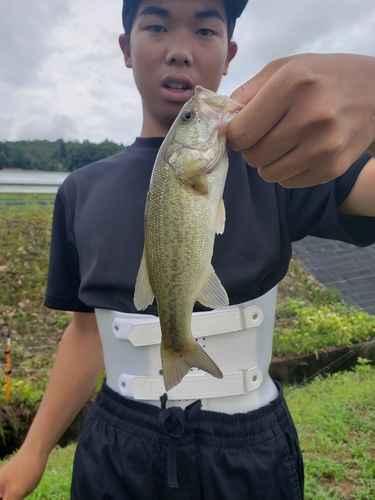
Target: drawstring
point(171, 422)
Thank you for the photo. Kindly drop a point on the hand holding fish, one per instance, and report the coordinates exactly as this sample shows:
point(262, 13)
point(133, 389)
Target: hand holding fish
point(307, 118)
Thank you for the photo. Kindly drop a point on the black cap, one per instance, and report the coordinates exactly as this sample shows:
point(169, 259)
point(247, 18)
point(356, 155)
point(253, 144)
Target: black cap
point(234, 7)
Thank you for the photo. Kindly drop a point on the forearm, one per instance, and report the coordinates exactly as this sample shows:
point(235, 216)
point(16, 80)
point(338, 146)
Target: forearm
point(361, 199)
point(75, 372)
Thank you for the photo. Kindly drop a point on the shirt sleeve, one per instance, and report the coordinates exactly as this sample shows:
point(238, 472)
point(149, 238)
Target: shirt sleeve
point(314, 211)
point(63, 272)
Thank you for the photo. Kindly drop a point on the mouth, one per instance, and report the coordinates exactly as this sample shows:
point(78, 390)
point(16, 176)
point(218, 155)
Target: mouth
point(178, 86)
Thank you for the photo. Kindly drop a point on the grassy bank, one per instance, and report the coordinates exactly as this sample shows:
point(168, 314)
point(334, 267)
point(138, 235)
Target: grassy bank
point(29, 198)
point(309, 317)
point(36, 331)
point(335, 422)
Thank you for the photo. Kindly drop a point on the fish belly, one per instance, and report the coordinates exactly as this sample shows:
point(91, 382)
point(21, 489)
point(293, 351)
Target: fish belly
point(179, 239)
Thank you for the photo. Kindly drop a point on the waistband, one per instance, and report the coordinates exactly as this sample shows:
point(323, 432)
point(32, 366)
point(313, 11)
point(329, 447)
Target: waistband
point(175, 427)
point(211, 428)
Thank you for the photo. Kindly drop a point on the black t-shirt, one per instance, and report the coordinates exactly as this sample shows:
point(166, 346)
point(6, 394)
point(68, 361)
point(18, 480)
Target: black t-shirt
point(97, 236)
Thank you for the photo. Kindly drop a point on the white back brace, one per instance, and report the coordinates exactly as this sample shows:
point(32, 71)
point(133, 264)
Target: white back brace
point(238, 338)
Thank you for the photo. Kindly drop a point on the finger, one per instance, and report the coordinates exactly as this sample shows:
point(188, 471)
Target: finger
point(313, 140)
point(279, 141)
point(11, 496)
point(302, 167)
point(261, 114)
point(246, 92)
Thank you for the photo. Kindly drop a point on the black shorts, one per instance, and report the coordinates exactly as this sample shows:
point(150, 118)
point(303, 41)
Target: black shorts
point(134, 451)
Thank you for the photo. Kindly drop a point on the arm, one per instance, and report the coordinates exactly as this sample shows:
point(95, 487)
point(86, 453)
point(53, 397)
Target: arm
point(361, 199)
point(75, 372)
point(307, 118)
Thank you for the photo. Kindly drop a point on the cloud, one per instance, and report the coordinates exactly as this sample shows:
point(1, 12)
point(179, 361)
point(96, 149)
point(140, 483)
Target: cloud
point(279, 28)
point(55, 127)
point(25, 37)
point(62, 73)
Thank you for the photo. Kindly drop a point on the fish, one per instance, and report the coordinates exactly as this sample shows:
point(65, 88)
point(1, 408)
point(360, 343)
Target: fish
point(184, 210)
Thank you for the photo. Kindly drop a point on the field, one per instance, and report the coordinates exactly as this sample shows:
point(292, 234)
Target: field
point(334, 416)
point(336, 426)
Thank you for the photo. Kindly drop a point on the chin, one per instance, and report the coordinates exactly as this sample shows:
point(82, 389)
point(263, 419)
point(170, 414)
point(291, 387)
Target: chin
point(170, 117)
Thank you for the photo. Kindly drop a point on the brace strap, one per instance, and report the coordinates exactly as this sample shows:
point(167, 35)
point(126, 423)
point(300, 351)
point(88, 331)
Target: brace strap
point(192, 386)
point(141, 332)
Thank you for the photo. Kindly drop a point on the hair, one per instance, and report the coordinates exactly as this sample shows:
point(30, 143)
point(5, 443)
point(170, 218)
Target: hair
point(129, 15)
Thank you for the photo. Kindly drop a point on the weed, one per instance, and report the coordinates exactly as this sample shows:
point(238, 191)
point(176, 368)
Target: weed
point(63, 320)
point(312, 328)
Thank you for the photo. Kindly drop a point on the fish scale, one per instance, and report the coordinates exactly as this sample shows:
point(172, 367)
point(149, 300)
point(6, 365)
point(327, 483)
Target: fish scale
point(184, 209)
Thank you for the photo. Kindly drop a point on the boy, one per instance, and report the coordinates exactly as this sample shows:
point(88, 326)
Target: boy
point(307, 119)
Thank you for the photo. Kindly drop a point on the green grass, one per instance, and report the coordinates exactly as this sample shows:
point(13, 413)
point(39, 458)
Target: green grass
point(55, 484)
point(335, 419)
point(307, 329)
point(28, 198)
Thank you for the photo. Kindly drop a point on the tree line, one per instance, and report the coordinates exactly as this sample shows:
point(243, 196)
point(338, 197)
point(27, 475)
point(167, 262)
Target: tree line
point(57, 155)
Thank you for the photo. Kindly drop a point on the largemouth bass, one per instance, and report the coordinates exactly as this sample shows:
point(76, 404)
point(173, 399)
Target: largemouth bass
point(184, 210)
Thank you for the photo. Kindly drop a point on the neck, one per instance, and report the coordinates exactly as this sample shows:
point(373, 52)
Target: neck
point(154, 127)
point(154, 131)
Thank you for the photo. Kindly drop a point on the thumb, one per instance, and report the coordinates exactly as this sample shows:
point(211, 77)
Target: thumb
point(247, 91)
point(263, 106)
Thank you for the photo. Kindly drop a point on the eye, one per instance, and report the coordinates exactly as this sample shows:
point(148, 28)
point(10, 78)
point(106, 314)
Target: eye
point(156, 28)
point(205, 32)
point(188, 115)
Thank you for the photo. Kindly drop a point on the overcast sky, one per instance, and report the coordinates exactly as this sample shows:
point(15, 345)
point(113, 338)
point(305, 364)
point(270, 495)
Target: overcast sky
point(62, 73)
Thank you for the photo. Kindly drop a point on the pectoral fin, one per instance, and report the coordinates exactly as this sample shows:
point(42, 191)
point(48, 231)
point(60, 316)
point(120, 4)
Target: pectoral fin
point(143, 294)
point(193, 176)
point(213, 293)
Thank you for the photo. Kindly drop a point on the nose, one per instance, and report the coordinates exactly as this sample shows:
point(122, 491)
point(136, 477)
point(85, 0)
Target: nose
point(179, 52)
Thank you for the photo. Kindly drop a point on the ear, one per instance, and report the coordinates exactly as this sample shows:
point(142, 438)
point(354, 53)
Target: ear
point(125, 49)
point(232, 51)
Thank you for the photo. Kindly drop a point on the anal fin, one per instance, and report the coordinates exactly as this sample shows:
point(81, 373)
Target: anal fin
point(220, 218)
point(213, 293)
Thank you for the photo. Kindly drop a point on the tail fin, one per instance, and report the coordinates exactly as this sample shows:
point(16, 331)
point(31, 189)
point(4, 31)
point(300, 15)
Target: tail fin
point(175, 366)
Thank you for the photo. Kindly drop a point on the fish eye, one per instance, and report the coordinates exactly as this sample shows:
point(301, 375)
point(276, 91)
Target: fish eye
point(188, 115)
